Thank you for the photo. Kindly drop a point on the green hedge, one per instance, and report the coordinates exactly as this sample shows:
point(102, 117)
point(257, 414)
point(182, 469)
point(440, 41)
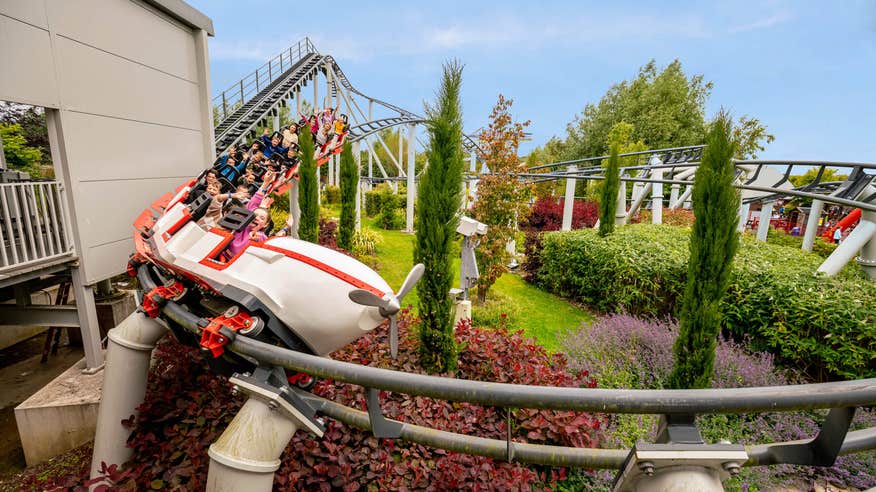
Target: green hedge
point(825, 326)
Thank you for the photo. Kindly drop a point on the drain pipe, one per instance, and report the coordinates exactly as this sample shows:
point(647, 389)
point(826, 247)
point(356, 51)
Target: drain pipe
point(124, 386)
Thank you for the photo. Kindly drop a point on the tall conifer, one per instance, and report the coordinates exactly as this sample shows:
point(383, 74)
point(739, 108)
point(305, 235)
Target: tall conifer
point(308, 193)
point(713, 244)
point(608, 199)
point(439, 198)
point(348, 180)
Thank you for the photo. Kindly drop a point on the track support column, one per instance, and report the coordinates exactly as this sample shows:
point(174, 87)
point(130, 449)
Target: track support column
point(657, 197)
point(412, 186)
point(247, 454)
point(569, 202)
point(743, 216)
point(812, 225)
point(357, 156)
point(124, 386)
point(620, 214)
point(763, 224)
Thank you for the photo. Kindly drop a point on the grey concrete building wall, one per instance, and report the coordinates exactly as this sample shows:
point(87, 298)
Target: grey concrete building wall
point(126, 84)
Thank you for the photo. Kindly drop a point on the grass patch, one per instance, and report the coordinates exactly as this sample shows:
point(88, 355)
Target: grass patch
point(539, 314)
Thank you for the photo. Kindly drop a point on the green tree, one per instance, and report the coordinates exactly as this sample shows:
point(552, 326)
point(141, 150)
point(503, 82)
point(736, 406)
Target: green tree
point(349, 180)
point(501, 197)
point(308, 193)
point(608, 198)
point(666, 108)
point(439, 198)
point(828, 176)
point(713, 244)
point(19, 155)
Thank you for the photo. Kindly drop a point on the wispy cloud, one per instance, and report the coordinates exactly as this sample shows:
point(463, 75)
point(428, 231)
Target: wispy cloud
point(762, 23)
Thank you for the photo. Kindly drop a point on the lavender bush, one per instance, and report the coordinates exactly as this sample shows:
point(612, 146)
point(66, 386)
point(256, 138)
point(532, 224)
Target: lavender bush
point(623, 351)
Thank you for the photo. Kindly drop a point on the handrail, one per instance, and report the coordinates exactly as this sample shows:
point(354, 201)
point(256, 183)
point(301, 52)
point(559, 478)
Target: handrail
point(229, 100)
point(33, 224)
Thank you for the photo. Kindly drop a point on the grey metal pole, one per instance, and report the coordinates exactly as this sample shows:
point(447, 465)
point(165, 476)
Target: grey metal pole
point(743, 216)
point(358, 158)
point(657, 197)
point(88, 326)
point(569, 204)
point(370, 163)
point(638, 199)
point(412, 186)
point(246, 455)
point(763, 225)
point(129, 351)
point(294, 210)
point(812, 224)
point(2, 156)
point(620, 214)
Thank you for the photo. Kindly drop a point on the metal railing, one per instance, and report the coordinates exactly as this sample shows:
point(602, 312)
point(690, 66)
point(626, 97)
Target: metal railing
point(33, 224)
point(229, 100)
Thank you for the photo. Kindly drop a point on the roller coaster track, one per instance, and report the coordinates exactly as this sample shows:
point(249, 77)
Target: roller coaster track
point(250, 101)
point(767, 180)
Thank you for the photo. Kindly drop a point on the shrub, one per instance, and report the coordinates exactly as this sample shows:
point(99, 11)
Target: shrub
point(390, 217)
point(674, 217)
point(349, 180)
point(331, 195)
point(781, 238)
point(328, 233)
point(374, 199)
point(365, 242)
point(609, 193)
point(624, 351)
point(547, 215)
point(496, 312)
point(308, 191)
point(187, 407)
point(825, 326)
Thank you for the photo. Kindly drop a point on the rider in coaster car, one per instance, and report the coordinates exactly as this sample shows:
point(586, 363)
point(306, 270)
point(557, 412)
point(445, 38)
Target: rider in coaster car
point(255, 230)
point(232, 168)
point(273, 143)
point(341, 124)
point(290, 135)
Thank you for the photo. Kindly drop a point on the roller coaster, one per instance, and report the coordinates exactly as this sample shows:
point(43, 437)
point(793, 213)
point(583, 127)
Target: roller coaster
point(238, 309)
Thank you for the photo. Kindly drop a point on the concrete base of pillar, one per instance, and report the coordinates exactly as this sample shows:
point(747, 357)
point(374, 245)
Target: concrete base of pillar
point(463, 311)
point(60, 416)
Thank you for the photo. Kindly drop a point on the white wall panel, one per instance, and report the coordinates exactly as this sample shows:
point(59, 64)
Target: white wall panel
point(93, 81)
point(27, 74)
point(30, 11)
point(129, 149)
point(136, 33)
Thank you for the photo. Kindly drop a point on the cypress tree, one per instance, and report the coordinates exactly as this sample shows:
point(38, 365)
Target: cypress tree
point(608, 199)
point(713, 244)
point(348, 181)
point(308, 192)
point(439, 196)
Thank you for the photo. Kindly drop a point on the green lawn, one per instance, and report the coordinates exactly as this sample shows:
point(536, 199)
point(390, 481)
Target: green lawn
point(541, 315)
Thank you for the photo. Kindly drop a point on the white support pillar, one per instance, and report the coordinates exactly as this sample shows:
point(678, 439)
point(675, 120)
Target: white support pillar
point(331, 170)
point(812, 224)
point(297, 104)
point(88, 326)
point(685, 197)
point(412, 186)
point(357, 156)
point(2, 156)
point(657, 197)
point(473, 184)
point(763, 225)
point(638, 199)
point(246, 455)
point(129, 352)
point(277, 119)
point(673, 193)
point(743, 216)
point(294, 210)
point(315, 90)
point(620, 214)
point(862, 239)
point(370, 163)
point(569, 204)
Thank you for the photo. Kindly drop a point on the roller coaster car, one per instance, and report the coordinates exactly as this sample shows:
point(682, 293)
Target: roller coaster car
point(282, 291)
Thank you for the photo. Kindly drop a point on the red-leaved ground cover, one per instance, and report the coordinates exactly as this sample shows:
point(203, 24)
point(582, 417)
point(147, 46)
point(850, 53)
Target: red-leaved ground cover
point(187, 407)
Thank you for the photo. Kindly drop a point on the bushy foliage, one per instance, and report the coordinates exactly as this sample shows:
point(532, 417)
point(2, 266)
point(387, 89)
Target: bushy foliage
point(328, 233)
point(498, 312)
point(349, 180)
point(547, 215)
point(19, 155)
point(439, 196)
point(824, 326)
point(501, 196)
point(820, 247)
point(713, 244)
point(674, 217)
point(187, 408)
point(308, 191)
point(331, 194)
point(624, 351)
point(391, 217)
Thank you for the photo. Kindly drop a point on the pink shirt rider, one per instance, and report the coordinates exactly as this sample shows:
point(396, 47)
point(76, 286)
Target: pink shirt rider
point(242, 238)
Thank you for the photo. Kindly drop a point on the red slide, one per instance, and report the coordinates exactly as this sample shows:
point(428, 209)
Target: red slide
point(846, 222)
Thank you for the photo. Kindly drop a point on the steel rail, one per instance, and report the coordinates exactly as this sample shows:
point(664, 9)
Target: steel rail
point(626, 154)
point(825, 395)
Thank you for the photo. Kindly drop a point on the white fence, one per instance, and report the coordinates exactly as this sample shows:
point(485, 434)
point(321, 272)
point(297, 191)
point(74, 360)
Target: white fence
point(33, 224)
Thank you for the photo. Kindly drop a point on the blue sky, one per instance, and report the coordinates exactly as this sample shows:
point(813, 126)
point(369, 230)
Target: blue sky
point(806, 69)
